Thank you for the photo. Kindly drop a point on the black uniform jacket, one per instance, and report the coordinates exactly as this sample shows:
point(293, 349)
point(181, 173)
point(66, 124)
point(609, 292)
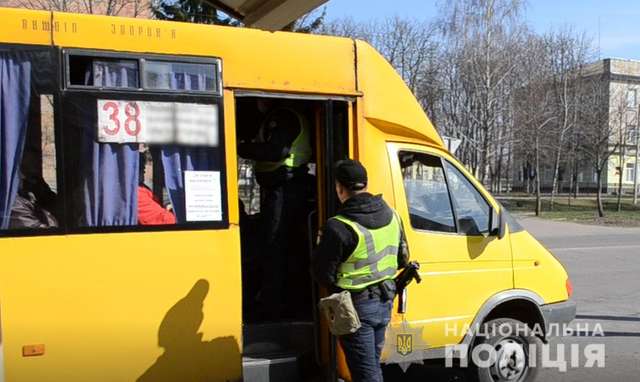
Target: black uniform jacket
point(339, 240)
point(281, 128)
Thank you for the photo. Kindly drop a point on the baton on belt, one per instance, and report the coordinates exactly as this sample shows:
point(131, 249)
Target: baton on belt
point(404, 278)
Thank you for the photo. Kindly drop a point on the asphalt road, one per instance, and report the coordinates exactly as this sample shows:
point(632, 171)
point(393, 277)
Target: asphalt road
point(604, 266)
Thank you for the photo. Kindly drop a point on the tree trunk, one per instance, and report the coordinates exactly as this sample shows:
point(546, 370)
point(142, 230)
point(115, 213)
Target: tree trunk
point(556, 171)
point(499, 170)
point(636, 168)
point(537, 159)
point(576, 189)
point(619, 201)
point(484, 158)
point(599, 193)
point(509, 172)
point(573, 177)
point(621, 162)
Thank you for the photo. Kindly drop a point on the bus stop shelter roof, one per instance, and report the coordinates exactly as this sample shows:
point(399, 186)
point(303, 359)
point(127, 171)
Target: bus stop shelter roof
point(266, 14)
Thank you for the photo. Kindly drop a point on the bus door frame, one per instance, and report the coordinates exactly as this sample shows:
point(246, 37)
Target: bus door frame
point(325, 120)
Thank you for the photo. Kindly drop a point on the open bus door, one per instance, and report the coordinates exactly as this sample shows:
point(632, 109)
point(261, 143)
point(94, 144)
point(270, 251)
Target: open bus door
point(300, 346)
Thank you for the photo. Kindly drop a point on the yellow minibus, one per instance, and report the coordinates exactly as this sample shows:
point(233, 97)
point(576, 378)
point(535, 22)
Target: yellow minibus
point(105, 119)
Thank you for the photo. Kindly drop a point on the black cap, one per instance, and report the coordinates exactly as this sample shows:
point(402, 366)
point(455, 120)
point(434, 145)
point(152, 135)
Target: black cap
point(351, 174)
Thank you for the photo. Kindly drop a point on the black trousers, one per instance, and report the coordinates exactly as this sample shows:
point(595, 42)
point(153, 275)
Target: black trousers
point(283, 210)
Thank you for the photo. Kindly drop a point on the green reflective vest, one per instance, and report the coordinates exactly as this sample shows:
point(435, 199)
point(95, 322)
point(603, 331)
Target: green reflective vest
point(300, 152)
point(374, 259)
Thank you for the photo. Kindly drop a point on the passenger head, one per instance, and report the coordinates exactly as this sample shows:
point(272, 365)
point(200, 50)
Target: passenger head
point(351, 179)
point(30, 180)
point(143, 166)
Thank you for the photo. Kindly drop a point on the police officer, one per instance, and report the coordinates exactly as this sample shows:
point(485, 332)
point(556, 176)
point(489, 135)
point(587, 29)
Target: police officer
point(281, 150)
point(360, 251)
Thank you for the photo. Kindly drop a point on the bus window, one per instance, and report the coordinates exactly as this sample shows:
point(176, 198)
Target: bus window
point(28, 176)
point(139, 157)
point(468, 202)
point(426, 191)
point(86, 71)
point(175, 76)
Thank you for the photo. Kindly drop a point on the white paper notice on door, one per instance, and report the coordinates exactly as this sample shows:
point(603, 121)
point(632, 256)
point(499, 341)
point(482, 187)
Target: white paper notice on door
point(203, 196)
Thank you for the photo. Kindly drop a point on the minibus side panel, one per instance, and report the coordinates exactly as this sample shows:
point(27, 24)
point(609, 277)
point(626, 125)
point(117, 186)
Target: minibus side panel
point(20, 26)
point(160, 306)
point(536, 269)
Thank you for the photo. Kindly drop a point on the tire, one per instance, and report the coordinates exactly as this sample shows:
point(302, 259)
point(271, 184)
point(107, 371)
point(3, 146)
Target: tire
point(511, 340)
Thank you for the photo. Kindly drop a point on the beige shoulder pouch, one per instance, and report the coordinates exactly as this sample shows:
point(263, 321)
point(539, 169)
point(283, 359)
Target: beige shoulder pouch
point(340, 313)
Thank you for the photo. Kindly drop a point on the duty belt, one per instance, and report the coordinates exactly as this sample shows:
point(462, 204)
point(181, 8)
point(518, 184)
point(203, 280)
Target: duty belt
point(372, 291)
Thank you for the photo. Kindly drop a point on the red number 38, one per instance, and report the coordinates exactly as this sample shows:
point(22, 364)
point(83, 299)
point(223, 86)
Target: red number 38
point(132, 125)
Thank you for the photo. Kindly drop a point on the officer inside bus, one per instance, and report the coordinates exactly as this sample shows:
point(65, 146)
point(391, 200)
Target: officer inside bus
point(281, 149)
point(360, 251)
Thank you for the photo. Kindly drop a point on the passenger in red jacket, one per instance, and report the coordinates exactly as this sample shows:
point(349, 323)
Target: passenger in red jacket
point(150, 209)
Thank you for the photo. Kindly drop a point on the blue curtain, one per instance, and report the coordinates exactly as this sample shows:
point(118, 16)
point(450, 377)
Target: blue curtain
point(176, 160)
point(109, 170)
point(187, 81)
point(15, 93)
point(114, 73)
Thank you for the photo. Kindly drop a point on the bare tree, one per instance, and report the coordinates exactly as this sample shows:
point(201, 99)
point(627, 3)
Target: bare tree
point(596, 131)
point(348, 27)
point(534, 110)
point(308, 23)
point(485, 38)
point(568, 53)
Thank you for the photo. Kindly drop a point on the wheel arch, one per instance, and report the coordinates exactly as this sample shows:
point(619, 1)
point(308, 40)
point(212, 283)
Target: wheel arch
point(520, 304)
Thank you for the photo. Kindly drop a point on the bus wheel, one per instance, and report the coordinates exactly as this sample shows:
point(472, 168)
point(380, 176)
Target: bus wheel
point(507, 351)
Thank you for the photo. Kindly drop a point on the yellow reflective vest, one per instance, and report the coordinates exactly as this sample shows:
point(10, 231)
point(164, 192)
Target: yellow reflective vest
point(375, 257)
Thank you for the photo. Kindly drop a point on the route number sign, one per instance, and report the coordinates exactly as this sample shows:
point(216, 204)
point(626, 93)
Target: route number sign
point(126, 121)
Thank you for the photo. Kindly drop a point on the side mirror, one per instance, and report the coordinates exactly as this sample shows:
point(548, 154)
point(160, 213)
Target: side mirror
point(497, 224)
point(468, 226)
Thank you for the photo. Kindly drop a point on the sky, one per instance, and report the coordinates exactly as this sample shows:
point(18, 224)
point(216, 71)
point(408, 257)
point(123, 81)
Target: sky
point(613, 25)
